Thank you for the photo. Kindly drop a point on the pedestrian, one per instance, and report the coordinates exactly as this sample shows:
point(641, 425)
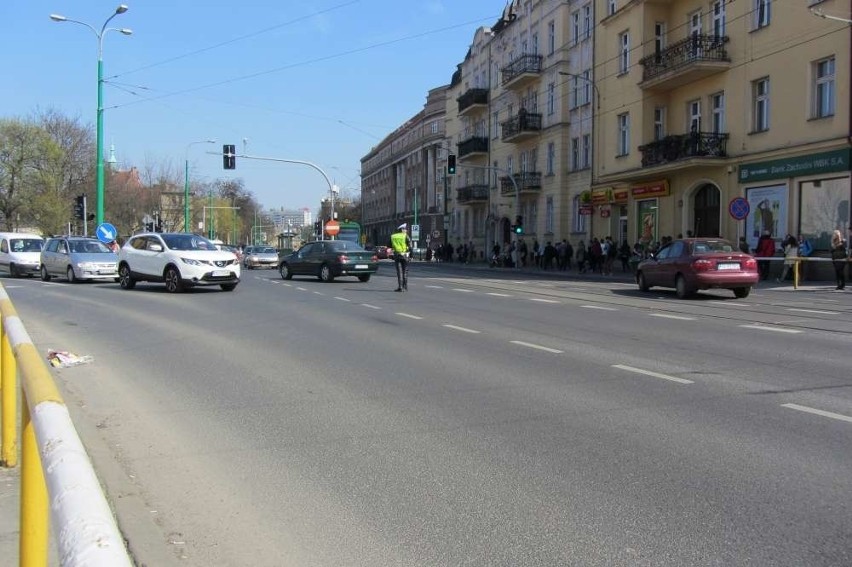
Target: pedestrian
point(581, 258)
point(791, 252)
point(624, 256)
point(401, 245)
point(765, 249)
point(838, 257)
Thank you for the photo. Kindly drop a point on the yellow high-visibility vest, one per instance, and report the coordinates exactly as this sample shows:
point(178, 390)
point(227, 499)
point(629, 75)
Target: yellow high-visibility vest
point(398, 242)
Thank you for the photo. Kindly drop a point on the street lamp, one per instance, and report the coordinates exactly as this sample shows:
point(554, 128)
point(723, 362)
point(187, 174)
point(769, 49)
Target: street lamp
point(122, 8)
point(186, 183)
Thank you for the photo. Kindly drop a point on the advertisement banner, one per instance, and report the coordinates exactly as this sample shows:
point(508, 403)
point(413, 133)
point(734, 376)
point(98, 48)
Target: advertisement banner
point(647, 215)
point(768, 213)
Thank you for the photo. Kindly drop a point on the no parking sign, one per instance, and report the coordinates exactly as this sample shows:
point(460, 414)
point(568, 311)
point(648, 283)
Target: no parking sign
point(739, 208)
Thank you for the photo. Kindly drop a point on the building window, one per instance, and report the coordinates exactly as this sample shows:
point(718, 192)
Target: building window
point(624, 52)
point(551, 38)
point(575, 27)
point(575, 91)
point(717, 102)
point(587, 87)
point(760, 93)
point(761, 13)
point(719, 24)
point(495, 131)
point(659, 37)
point(587, 21)
point(587, 150)
point(434, 127)
point(659, 123)
point(579, 224)
point(623, 134)
point(694, 111)
point(575, 154)
point(548, 215)
point(551, 98)
point(610, 7)
point(551, 157)
point(824, 88)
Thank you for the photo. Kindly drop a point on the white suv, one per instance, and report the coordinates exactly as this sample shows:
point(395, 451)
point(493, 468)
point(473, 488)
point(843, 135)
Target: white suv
point(180, 260)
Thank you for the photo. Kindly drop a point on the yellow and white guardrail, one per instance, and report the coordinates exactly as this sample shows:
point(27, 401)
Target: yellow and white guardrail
point(58, 482)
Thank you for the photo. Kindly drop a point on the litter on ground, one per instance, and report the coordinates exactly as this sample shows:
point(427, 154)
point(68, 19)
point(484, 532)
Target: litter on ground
point(64, 359)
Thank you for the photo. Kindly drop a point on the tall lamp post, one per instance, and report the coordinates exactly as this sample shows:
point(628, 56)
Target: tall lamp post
point(122, 8)
point(186, 183)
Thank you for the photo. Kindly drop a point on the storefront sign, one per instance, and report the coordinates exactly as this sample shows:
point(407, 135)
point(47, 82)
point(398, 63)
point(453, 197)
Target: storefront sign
point(619, 196)
point(602, 196)
point(813, 164)
point(605, 212)
point(655, 189)
point(585, 209)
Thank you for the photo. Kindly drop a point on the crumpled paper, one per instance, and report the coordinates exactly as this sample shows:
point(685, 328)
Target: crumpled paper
point(64, 359)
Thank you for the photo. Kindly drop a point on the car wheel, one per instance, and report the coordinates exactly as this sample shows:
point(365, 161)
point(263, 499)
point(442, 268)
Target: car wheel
point(13, 271)
point(45, 277)
point(365, 278)
point(125, 280)
point(72, 277)
point(173, 281)
point(285, 272)
point(681, 289)
point(741, 292)
point(640, 281)
point(325, 274)
point(228, 286)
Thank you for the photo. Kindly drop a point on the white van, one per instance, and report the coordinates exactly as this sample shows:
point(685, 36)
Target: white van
point(20, 253)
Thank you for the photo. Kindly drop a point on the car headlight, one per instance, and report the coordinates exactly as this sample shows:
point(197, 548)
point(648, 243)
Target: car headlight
point(192, 261)
point(86, 265)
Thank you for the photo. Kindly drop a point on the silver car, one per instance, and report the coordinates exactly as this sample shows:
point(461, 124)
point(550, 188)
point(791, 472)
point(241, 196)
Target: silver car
point(261, 257)
point(78, 258)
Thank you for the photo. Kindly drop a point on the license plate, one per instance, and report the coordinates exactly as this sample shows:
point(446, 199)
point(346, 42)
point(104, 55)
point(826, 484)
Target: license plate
point(221, 273)
point(728, 266)
point(360, 266)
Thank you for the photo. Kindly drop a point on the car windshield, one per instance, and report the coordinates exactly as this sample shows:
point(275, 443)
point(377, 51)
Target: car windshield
point(25, 245)
point(344, 246)
point(267, 250)
point(187, 242)
point(89, 247)
point(710, 246)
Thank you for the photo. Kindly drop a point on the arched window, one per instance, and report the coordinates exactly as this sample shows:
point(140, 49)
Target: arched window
point(706, 211)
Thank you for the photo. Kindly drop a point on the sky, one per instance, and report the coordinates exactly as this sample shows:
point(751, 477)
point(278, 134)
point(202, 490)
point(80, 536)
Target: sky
point(321, 81)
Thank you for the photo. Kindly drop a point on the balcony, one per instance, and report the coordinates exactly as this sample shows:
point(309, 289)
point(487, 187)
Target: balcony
point(472, 147)
point(527, 182)
point(477, 193)
point(684, 62)
point(472, 100)
point(522, 71)
point(522, 126)
point(684, 146)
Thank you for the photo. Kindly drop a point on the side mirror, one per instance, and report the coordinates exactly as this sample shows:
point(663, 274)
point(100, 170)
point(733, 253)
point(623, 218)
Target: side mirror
point(155, 247)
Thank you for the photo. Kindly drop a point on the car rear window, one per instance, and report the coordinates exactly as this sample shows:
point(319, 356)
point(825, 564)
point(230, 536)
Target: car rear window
point(709, 246)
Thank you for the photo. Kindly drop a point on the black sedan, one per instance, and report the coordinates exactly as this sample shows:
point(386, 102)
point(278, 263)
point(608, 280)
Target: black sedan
point(329, 259)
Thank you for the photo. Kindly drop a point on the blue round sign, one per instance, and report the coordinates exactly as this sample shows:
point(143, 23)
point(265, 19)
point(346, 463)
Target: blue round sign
point(739, 208)
point(106, 233)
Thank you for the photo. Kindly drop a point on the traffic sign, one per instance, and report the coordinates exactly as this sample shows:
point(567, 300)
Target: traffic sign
point(332, 228)
point(415, 232)
point(106, 233)
point(739, 208)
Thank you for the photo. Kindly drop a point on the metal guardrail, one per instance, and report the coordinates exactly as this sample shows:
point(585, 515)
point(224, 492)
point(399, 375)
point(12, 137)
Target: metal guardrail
point(796, 263)
point(58, 482)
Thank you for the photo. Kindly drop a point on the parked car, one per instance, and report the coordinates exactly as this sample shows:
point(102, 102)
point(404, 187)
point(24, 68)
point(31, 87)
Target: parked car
point(329, 259)
point(261, 257)
point(78, 258)
point(694, 264)
point(20, 253)
point(383, 252)
point(180, 260)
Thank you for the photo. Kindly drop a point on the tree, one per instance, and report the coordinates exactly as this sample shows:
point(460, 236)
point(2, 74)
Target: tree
point(25, 149)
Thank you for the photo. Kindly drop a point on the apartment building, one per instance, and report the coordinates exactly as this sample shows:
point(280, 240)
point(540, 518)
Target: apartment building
point(519, 119)
point(402, 177)
point(721, 118)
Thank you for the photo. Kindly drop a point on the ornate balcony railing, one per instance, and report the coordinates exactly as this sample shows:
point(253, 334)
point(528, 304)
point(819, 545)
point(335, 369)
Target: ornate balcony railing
point(522, 125)
point(693, 49)
point(472, 98)
point(523, 65)
point(471, 193)
point(474, 145)
point(525, 180)
point(683, 146)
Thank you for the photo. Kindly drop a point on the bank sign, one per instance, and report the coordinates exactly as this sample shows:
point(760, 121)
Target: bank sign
point(813, 164)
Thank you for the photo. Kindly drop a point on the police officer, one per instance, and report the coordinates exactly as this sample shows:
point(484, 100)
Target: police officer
point(401, 245)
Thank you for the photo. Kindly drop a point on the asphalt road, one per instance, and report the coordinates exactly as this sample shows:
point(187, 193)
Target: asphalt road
point(479, 419)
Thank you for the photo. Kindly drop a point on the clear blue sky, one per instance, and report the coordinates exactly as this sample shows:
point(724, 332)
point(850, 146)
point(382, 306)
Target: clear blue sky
point(321, 81)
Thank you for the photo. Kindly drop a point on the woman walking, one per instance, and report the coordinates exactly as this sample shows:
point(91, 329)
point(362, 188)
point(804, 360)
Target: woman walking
point(838, 256)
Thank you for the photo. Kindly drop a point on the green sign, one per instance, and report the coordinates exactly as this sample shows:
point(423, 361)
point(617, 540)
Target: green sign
point(823, 162)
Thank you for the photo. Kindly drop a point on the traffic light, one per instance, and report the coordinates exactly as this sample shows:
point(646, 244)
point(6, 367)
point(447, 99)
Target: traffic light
point(518, 227)
point(451, 164)
point(80, 207)
point(229, 156)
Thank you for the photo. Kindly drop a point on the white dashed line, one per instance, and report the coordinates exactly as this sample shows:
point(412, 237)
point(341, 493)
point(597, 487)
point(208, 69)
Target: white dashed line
point(498, 294)
point(342, 299)
point(599, 307)
point(732, 304)
point(816, 311)
point(544, 300)
point(318, 293)
point(654, 374)
point(462, 329)
point(537, 347)
point(773, 329)
point(462, 290)
point(434, 286)
point(409, 316)
point(667, 316)
point(823, 413)
point(367, 305)
point(301, 289)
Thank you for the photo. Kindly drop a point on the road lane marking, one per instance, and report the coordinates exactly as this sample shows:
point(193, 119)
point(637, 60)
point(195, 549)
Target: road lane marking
point(498, 294)
point(537, 347)
point(544, 300)
point(654, 374)
point(732, 304)
point(286, 284)
point(667, 316)
point(409, 316)
point(434, 286)
point(599, 307)
point(318, 293)
point(462, 290)
point(823, 413)
point(342, 299)
point(302, 289)
point(370, 306)
point(817, 311)
point(462, 329)
point(773, 329)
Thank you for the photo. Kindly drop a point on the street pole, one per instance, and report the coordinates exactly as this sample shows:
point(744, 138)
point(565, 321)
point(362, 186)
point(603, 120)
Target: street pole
point(416, 242)
point(99, 168)
point(210, 201)
point(186, 183)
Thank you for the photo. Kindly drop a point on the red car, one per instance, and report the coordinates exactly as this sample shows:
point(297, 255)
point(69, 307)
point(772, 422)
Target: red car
point(693, 264)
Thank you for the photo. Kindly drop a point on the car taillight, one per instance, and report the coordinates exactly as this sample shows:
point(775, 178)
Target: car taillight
point(342, 258)
point(749, 265)
point(702, 265)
